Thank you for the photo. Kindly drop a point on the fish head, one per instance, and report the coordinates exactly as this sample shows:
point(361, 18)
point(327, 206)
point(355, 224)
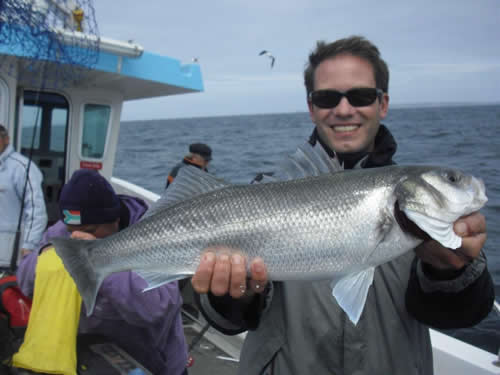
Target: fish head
point(434, 198)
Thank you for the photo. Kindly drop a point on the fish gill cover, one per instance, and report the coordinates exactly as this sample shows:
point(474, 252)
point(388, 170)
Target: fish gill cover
point(58, 40)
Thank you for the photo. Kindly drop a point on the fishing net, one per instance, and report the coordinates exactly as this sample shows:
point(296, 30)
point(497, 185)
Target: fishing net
point(57, 40)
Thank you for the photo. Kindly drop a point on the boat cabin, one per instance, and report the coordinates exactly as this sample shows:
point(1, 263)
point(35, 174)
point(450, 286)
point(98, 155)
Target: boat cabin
point(77, 125)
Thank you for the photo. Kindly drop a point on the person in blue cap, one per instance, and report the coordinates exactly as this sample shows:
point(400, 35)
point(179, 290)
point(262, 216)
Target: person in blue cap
point(199, 156)
point(147, 325)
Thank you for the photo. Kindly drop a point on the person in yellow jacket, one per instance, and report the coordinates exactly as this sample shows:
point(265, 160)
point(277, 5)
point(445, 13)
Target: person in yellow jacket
point(54, 319)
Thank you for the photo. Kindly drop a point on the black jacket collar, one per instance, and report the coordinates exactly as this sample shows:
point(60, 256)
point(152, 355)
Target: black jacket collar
point(385, 148)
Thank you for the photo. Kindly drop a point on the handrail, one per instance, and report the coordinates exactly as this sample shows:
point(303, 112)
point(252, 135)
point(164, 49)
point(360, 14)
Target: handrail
point(128, 49)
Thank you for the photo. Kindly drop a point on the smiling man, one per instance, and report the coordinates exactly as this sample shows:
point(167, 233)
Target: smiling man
point(297, 327)
point(352, 124)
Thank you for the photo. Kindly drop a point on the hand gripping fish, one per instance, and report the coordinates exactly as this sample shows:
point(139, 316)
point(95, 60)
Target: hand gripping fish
point(334, 225)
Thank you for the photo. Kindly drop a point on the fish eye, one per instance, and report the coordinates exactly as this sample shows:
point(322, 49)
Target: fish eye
point(453, 177)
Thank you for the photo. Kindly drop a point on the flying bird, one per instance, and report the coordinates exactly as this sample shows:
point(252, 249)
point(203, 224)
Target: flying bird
point(268, 54)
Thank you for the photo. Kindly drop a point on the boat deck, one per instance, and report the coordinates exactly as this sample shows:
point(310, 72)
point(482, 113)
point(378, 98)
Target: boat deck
point(206, 356)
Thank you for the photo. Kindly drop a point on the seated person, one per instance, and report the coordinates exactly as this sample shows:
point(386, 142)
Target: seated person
point(147, 325)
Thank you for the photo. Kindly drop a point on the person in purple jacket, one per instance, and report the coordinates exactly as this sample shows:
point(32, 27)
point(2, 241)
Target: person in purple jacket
point(147, 325)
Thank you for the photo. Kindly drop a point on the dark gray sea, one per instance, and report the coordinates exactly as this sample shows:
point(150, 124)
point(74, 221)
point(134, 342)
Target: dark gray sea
point(466, 137)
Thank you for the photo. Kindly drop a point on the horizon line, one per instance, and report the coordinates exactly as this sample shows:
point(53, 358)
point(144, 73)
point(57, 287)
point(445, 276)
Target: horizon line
point(393, 105)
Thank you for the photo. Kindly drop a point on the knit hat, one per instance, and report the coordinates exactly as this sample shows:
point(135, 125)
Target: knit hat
point(87, 198)
point(201, 149)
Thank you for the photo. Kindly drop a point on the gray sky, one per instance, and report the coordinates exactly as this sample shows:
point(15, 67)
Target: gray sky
point(437, 50)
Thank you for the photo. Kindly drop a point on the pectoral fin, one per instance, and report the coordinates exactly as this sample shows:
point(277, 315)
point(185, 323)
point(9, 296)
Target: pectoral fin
point(351, 291)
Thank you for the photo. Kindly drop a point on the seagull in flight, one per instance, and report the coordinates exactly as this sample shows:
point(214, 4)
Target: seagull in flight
point(268, 54)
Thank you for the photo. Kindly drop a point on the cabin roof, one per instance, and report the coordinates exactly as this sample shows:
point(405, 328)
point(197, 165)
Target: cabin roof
point(119, 66)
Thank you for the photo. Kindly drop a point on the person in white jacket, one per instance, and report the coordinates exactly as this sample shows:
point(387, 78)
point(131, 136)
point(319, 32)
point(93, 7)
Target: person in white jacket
point(13, 168)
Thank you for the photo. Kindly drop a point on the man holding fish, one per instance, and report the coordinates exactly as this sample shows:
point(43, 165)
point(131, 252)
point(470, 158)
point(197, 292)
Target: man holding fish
point(377, 322)
point(398, 247)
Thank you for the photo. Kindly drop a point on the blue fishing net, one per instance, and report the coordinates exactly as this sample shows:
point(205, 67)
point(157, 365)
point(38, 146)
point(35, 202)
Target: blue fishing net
point(57, 39)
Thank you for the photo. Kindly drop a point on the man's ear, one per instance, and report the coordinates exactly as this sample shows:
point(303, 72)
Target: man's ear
point(311, 109)
point(384, 105)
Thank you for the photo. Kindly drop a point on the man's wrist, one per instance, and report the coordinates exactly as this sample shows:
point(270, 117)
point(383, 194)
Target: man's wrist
point(440, 274)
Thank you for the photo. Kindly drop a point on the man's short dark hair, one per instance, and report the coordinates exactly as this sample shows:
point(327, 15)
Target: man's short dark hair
point(3, 131)
point(355, 46)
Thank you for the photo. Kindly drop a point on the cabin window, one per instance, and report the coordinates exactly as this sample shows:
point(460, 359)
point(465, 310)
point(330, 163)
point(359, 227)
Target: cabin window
point(58, 137)
point(53, 137)
point(44, 123)
point(32, 120)
point(42, 120)
point(95, 130)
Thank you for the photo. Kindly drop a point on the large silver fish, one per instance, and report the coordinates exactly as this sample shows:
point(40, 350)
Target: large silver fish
point(338, 226)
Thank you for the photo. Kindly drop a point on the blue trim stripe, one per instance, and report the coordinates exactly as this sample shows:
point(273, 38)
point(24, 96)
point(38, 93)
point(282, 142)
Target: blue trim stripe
point(149, 67)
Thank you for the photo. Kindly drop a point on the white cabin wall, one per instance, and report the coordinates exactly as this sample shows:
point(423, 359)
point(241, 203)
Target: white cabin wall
point(78, 98)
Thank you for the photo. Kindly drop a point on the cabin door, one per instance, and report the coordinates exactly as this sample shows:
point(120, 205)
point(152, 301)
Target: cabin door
point(42, 129)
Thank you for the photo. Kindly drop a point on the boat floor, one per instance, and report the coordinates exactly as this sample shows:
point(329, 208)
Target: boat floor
point(211, 353)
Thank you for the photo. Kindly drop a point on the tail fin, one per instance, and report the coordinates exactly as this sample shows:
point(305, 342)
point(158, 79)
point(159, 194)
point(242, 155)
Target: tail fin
point(75, 256)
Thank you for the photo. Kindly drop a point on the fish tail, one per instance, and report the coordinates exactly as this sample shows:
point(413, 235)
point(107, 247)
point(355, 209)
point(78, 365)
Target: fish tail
point(75, 255)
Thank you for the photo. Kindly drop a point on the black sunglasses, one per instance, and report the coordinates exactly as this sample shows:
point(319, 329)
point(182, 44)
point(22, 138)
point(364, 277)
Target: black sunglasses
point(359, 97)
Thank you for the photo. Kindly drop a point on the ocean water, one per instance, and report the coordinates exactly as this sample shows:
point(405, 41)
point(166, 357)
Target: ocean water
point(466, 137)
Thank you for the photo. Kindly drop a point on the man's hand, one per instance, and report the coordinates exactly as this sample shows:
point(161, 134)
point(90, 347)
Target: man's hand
point(472, 229)
point(25, 252)
point(223, 271)
point(82, 235)
point(76, 234)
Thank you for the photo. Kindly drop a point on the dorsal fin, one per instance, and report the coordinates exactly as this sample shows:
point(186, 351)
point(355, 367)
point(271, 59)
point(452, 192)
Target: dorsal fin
point(308, 161)
point(189, 182)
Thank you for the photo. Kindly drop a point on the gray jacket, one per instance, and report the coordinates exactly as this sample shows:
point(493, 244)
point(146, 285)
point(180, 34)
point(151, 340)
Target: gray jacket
point(304, 331)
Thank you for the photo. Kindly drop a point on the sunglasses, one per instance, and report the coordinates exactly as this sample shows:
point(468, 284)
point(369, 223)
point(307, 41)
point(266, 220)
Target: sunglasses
point(359, 97)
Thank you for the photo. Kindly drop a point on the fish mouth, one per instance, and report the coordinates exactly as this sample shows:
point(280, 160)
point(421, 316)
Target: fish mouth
point(479, 191)
point(473, 199)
